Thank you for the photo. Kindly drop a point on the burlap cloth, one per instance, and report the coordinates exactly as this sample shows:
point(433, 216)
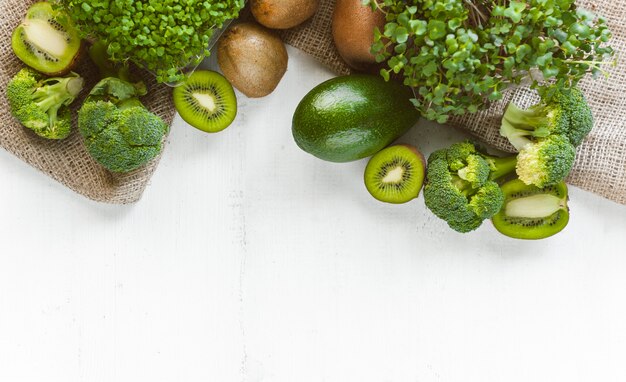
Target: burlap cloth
point(600, 166)
point(67, 161)
point(601, 161)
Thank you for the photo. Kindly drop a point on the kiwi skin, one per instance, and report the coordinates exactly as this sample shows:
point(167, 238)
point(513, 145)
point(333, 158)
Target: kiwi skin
point(533, 228)
point(212, 89)
point(410, 155)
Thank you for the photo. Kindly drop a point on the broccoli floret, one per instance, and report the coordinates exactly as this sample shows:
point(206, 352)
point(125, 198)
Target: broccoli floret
point(41, 104)
point(546, 162)
point(446, 200)
point(476, 170)
point(457, 154)
point(462, 190)
point(563, 112)
point(119, 132)
point(578, 112)
point(487, 201)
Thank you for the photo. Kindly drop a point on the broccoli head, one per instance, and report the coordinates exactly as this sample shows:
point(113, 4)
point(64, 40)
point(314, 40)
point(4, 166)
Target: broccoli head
point(546, 162)
point(578, 113)
point(461, 188)
point(119, 132)
point(41, 104)
point(546, 135)
point(562, 112)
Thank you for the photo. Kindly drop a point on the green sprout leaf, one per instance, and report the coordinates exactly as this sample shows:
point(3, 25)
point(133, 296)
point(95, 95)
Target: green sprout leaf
point(161, 36)
point(459, 55)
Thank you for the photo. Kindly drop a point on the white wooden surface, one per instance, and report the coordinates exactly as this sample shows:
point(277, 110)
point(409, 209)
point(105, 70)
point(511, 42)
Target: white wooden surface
point(249, 260)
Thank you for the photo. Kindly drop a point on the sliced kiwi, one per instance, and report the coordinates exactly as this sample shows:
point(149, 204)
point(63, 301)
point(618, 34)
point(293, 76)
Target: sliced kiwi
point(206, 101)
point(46, 40)
point(530, 212)
point(395, 174)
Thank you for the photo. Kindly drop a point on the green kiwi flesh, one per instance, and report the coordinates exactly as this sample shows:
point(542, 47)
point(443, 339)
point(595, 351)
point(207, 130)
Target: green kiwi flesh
point(395, 174)
point(206, 101)
point(530, 212)
point(46, 40)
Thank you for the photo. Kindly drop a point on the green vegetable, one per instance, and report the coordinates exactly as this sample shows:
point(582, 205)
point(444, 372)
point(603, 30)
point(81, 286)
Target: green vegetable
point(561, 112)
point(546, 162)
point(352, 117)
point(577, 110)
point(546, 135)
point(461, 187)
point(162, 36)
point(107, 68)
point(457, 55)
point(119, 132)
point(41, 104)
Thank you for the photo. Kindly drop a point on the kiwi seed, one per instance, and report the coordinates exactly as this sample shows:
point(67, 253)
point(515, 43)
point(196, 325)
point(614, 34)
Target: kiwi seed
point(206, 101)
point(395, 174)
point(530, 212)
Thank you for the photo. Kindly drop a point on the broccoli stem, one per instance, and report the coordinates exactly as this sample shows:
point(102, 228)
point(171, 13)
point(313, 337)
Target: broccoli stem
point(517, 137)
point(131, 102)
point(519, 124)
point(463, 186)
point(501, 166)
point(57, 92)
point(100, 57)
point(524, 119)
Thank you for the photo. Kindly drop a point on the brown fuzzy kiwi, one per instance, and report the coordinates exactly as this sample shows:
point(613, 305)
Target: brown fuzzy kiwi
point(252, 58)
point(353, 33)
point(283, 14)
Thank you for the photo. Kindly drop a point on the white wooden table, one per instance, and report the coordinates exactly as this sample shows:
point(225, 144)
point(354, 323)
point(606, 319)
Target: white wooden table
point(249, 260)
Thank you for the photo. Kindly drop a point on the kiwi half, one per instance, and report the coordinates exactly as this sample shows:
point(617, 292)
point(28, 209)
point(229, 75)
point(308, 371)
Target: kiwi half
point(530, 212)
point(206, 101)
point(395, 174)
point(46, 40)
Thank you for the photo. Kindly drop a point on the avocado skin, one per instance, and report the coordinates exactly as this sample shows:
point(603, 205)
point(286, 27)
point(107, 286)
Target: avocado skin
point(352, 117)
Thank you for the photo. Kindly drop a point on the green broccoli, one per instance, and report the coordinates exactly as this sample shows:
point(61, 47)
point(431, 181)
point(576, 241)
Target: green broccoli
point(41, 104)
point(546, 162)
point(563, 112)
point(546, 135)
point(461, 188)
point(119, 132)
point(578, 112)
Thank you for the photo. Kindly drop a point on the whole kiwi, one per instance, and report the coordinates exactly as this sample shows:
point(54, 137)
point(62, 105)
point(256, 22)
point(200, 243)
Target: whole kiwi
point(353, 32)
point(252, 58)
point(283, 14)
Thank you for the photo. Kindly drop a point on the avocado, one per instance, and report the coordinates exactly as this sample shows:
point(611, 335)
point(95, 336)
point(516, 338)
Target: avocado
point(352, 117)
